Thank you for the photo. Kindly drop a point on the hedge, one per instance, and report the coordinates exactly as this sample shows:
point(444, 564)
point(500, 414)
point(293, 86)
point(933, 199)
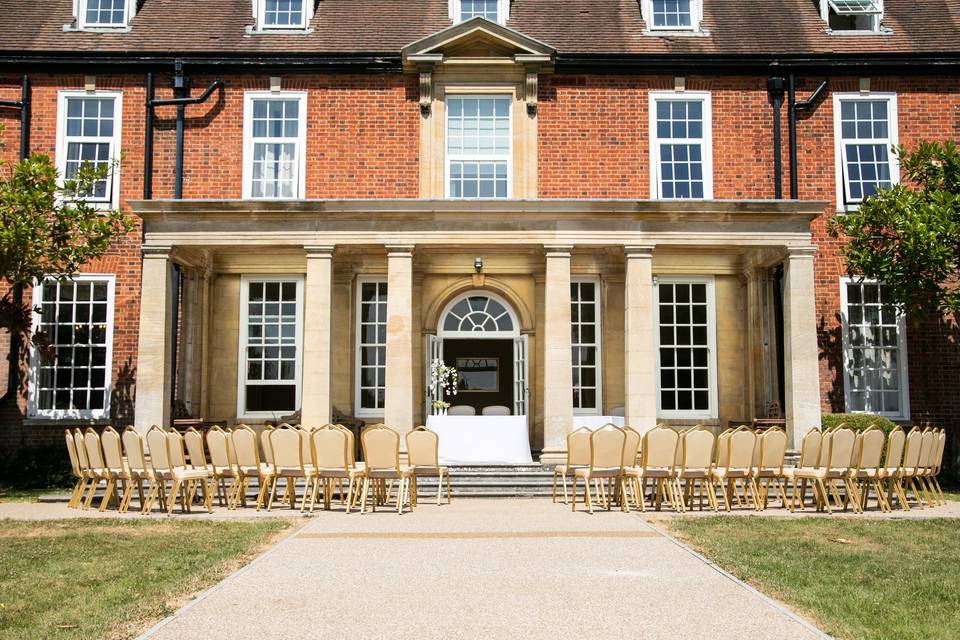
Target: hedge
point(857, 421)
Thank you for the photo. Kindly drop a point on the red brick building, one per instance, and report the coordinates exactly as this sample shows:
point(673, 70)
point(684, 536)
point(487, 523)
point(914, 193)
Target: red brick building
point(635, 191)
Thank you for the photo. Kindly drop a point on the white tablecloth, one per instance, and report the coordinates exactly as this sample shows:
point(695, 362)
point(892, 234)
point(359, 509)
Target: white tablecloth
point(482, 439)
point(595, 422)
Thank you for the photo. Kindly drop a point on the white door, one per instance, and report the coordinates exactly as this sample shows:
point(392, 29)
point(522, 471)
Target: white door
point(434, 351)
point(520, 389)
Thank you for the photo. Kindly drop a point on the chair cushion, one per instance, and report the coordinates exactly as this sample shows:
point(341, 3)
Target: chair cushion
point(184, 473)
point(723, 472)
point(587, 472)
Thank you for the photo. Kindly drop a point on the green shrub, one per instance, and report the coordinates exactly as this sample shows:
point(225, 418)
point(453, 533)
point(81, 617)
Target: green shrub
point(857, 421)
point(36, 468)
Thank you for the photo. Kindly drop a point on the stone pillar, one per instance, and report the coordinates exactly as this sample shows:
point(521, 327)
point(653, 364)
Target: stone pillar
point(802, 369)
point(155, 347)
point(557, 360)
point(398, 412)
point(315, 403)
point(754, 395)
point(640, 390)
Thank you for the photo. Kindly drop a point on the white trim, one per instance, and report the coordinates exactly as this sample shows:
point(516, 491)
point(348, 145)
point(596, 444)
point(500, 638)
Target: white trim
point(245, 281)
point(32, 410)
point(904, 413)
point(478, 335)
point(80, 11)
point(598, 344)
point(707, 141)
point(301, 141)
point(358, 410)
point(60, 152)
point(710, 281)
point(503, 11)
point(696, 18)
point(840, 165)
point(448, 158)
point(260, 26)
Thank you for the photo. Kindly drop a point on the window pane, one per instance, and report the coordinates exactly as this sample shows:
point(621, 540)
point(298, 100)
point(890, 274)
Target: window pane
point(283, 13)
point(865, 131)
point(371, 345)
point(271, 347)
point(672, 13)
point(482, 8)
point(680, 130)
point(478, 147)
point(685, 325)
point(872, 359)
point(275, 130)
point(106, 13)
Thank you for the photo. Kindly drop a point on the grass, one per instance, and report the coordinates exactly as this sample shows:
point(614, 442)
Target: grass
point(855, 579)
point(20, 494)
point(98, 578)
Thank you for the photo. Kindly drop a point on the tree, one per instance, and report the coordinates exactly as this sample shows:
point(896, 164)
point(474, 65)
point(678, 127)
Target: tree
point(908, 236)
point(47, 229)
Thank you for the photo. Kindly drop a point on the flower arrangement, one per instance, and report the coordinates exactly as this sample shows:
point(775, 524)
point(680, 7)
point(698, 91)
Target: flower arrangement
point(443, 380)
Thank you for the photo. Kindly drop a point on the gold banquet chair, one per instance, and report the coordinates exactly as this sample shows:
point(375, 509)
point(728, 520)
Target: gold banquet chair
point(606, 463)
point(98, 468)
point(222, 465)
point(331, 462)
point(741, 444)
point(631, 455)
point(381, 453)
point(809, 457)
point(867, 469)
point(78, 473)
point(423, 456)
point(696, 467)
point(912, 453)
point(658, 459)
point(136, 467)
point(578, 456)
point(247, 457)
point(769, 467)
point(288, 463)
point(891, 471)
point(115, 468)
point(186, 476)
point(931, 443)
point(937, 466)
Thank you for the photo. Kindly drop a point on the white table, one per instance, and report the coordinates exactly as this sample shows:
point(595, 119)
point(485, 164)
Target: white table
point(482, 439)
point(595, 422)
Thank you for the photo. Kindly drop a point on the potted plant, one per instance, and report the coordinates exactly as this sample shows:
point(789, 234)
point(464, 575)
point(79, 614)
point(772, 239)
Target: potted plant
point(443, 380)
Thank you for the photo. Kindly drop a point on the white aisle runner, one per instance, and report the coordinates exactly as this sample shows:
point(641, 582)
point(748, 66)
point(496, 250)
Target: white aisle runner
point(482, 439)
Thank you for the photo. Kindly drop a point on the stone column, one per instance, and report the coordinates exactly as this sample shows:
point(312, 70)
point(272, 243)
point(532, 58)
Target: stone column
point(557, 359)
point(752, 277)
point(802, 368)
point(640, 390)
point(315, 403)
point(155, 347)
point(398, 412)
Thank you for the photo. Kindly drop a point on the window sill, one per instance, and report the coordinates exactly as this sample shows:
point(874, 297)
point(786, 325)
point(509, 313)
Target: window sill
point(676, 33)
point(252, 30)
point(72, 28)
point(884, 31)
point(69, 421)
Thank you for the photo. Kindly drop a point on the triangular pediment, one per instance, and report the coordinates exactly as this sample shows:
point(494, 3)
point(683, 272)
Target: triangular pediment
point(475, 40)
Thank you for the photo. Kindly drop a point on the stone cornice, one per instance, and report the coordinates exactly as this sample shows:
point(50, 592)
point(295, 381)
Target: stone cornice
point(556, 209)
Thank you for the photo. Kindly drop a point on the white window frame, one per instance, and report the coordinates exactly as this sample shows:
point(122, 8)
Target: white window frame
point(904, 413)
point(840, 154)
point(248, 99)
point(696, 17)
point(448, 158)
point(245, 280)
point(710, 281)
point(359, 411)
point(80, 11)
point(598, 344)
point(113, 197)
point(876, 19)
point(32, 398)
point(503, 11)
point(706, 99)
point(259, 16)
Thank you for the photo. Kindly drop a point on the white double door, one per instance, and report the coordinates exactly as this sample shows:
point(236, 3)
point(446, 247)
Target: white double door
point(521, 391)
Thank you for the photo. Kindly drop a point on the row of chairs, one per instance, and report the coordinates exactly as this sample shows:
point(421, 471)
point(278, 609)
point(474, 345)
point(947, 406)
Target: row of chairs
point(323, 458)
point(678, 466)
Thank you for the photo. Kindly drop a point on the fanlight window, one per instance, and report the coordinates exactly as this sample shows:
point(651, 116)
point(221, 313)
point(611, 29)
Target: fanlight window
point(478, 314)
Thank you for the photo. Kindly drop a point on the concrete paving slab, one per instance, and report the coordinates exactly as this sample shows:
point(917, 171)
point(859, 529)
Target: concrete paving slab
point(480, 569)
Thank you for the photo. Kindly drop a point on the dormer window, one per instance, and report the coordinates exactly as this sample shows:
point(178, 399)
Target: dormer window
point(673, 15)
point(852, 15)
point(492, 10)
point(104, 14)
point(282, 15)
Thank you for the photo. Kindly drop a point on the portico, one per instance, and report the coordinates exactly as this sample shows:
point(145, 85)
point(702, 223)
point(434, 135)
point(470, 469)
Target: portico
point(592, 285)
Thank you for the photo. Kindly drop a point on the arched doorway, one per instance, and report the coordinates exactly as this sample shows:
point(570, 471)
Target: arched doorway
point(478, 332)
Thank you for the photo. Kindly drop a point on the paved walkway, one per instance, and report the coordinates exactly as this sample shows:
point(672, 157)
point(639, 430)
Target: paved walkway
point(480, 569)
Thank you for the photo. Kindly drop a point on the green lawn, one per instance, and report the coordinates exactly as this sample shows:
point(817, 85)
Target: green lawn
point(855, 578)
point(93, 578)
